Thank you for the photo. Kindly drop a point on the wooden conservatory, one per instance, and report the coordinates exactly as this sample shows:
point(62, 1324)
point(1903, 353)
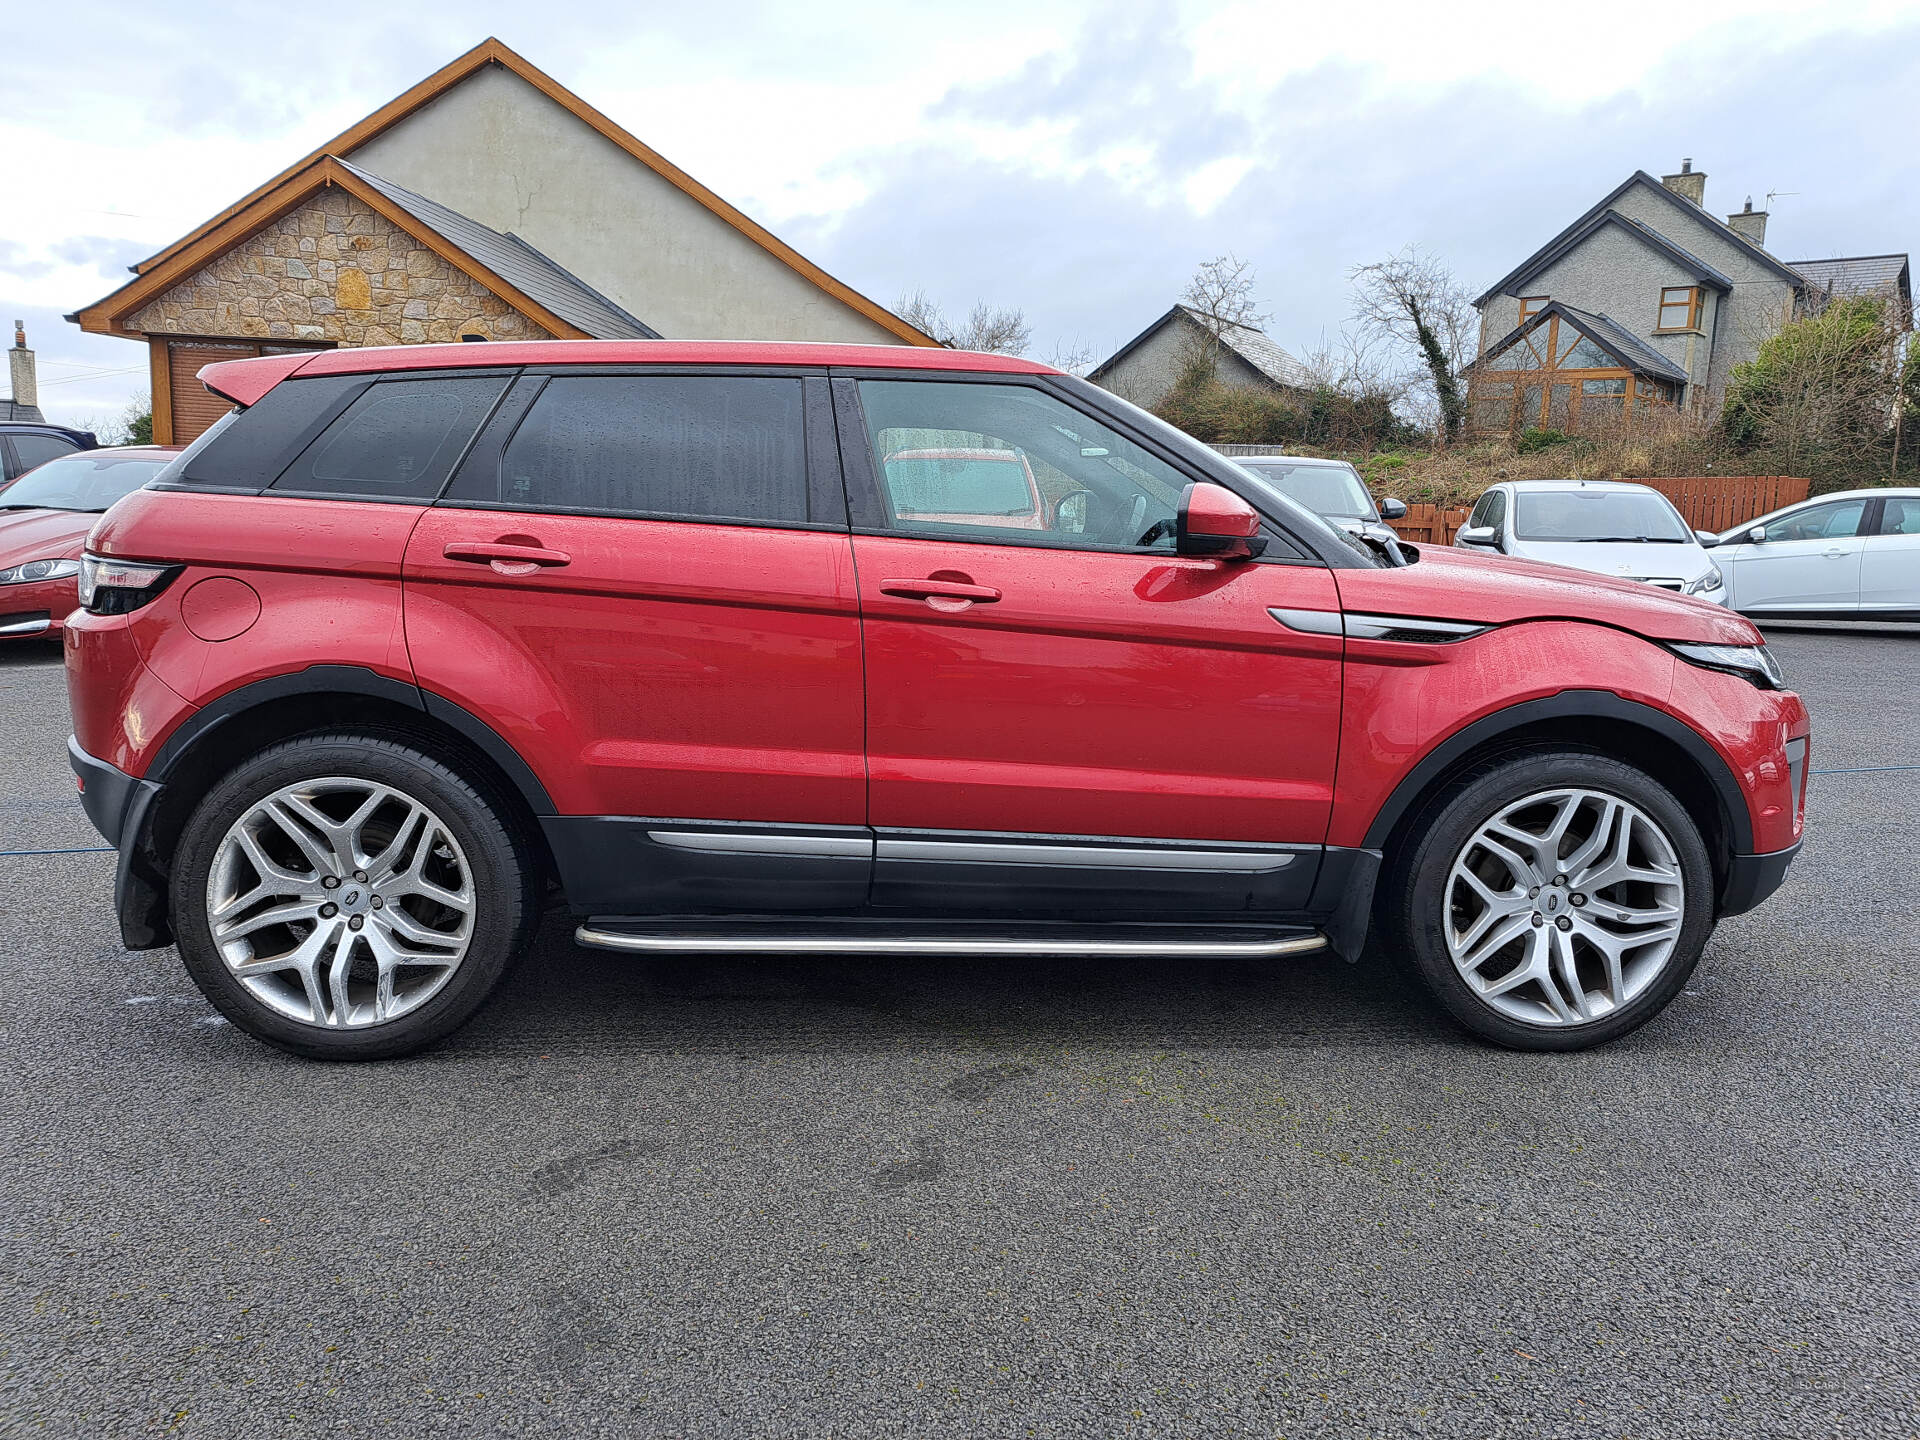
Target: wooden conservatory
point(1562, 368)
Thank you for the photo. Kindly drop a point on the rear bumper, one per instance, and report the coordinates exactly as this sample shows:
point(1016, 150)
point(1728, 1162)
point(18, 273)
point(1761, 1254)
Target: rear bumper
point(118, 806)
point(1752, 878)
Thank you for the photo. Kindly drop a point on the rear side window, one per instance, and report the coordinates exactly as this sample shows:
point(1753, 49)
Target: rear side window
point(247, 449)
point(729, 448)
point(398, 441)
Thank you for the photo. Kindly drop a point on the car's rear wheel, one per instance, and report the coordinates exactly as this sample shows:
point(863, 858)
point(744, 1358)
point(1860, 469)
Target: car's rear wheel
point(349, 897)
point(1555, 900)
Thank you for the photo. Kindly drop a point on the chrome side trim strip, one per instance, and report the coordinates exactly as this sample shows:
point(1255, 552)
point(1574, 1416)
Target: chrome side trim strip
point(1308, 622)
point(761, 842)
point(1095, 857)
point(1418, 629)
point(751, 944)
point(26, 627)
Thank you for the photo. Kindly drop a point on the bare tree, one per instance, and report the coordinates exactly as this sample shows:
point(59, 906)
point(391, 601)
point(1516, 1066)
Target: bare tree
point(1221, 296)
point(1413, 300)
point(997, 330)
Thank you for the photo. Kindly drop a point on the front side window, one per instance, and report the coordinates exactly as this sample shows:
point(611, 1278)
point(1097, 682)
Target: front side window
point(989, 461)
point(1819, 522)
point(691, 447)
point(1680, 307)
point(90, 480)
point(32, 450)
point(398, 441)
point(1901, 517)
point(1597, 516)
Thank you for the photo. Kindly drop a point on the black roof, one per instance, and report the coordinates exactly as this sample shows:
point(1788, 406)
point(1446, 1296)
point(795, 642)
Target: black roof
point(25, 420)
point(518, 263)
point(1597, 216)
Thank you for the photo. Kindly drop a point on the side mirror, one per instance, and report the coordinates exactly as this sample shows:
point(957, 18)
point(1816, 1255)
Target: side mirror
point(1757, 534)
point(1706, 538)
point(1217, 523)
point(1392, 509)
point(1484, 537)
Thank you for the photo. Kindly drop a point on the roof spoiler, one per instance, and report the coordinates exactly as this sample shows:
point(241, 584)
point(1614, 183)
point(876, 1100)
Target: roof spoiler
point(245, 381)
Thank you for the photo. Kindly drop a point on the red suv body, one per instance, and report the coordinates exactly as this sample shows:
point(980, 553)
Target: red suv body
point(415, 631)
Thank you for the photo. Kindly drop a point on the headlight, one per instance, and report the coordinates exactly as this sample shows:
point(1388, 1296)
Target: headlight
point(39, 570)
point(1712, 580)
point(1749, 662)
point(119, 587)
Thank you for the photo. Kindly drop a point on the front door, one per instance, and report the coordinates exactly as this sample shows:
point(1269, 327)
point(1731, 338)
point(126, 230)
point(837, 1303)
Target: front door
point(645, 583)
point(1063, 714)
point(1809, 560)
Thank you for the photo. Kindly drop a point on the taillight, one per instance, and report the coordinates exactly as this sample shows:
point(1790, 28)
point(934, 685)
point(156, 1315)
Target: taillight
point(119, 587)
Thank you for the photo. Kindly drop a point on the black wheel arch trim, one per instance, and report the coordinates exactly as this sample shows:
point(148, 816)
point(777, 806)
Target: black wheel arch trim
point(1582, 704)
point(353, 680)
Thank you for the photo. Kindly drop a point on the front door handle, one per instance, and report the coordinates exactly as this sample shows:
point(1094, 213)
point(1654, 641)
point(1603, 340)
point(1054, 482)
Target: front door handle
point(1837, 553)
point(940, 593)
point(506, 556)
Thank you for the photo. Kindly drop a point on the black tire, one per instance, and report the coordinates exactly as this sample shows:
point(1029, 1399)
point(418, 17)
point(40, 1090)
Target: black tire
point(1415, 898)
point(506, 907)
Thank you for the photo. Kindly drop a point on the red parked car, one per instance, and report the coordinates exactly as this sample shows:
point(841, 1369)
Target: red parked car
point(413, 634)
point(44, 518)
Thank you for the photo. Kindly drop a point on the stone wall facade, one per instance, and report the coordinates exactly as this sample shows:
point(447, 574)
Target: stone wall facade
point(333, 269)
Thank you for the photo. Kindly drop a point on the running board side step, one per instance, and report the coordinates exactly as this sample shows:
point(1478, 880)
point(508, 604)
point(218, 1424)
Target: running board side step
point(862, 936)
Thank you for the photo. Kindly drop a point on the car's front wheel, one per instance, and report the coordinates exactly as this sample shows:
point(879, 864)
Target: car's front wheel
point(1555, 900)
point(349, 897)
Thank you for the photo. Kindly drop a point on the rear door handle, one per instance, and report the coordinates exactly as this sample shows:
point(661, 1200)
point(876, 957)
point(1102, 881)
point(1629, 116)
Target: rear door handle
point(936, 590)
point(500, 553)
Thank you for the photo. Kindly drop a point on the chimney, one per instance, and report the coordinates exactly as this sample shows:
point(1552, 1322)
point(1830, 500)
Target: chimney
point(1750, 224)
point(1689, 184)
point(26, 389)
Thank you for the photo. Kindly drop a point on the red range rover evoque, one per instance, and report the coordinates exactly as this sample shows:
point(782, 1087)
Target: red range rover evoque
point(741, 647)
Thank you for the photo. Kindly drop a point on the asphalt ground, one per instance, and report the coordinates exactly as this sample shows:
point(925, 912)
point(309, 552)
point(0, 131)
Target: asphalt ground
point(758, 1197)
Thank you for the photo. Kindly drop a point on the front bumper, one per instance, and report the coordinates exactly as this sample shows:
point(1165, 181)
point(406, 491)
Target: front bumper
point(118, 806)
point(1752, 878)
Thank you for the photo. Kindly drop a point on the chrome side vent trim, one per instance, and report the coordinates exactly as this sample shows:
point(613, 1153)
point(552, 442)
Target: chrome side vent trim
point(1417, 629)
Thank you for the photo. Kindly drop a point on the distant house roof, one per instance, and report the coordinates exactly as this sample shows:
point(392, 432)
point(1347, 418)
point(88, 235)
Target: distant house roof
point(1632, 353)
point(1859, 275)
point(1251, 345)
point(14, 410)
point(517, 262)
point(1560, 244)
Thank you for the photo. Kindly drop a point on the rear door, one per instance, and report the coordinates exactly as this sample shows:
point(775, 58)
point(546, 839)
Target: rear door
point(643, 581)
point(1809, 561)
point(1890, 564)
point(1070, 717)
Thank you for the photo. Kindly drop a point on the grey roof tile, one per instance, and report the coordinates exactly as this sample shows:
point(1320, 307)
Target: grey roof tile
point(1637, 354)
point(518, 263)
point(1258, 350)
point(1856, 275)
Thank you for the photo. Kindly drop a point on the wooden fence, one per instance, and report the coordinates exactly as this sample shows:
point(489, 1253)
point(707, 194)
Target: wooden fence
point(1706, 502)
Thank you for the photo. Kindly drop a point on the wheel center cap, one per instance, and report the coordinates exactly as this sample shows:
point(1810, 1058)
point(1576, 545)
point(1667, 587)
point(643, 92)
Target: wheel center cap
point(353, 899)
point(1550, 902)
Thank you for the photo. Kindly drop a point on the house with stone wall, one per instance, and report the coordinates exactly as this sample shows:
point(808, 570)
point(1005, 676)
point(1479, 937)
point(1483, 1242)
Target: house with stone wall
point(486, 203)
point(1647, 299)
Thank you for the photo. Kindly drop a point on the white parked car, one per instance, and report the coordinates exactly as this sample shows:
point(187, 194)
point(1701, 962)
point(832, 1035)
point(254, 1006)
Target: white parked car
point(1849, 556)
point(1607, 527)
point(1332, 489)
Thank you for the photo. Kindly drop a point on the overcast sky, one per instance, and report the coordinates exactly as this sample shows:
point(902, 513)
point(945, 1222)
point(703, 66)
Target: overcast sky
point(1074, 160)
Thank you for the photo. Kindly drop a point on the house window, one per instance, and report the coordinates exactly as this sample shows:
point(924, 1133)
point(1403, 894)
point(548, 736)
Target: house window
point(1680, 308)
point(1530, 306)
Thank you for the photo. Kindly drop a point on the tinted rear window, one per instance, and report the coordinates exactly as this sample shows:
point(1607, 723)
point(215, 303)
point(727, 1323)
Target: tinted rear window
point(398, 441)
point(673, 446)
point(252, 447)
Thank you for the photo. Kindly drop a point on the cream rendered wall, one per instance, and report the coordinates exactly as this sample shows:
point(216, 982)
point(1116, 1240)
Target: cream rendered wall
point(496, 149)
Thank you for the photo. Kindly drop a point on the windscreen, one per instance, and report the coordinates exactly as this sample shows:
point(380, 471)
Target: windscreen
point(88, 481)
point(1324, 489)
point(1596, 516)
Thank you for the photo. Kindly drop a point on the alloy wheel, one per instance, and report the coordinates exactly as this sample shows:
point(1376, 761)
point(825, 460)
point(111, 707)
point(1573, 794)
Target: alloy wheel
point(341, 903)
point(1564, 906)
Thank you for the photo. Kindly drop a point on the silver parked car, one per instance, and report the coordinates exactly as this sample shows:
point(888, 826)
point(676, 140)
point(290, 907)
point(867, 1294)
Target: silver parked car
point(1605, 527)
point(1331, 489)
point(1849, 556)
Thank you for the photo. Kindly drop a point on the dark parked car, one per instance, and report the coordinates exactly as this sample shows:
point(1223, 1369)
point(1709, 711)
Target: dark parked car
point(25, 444)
